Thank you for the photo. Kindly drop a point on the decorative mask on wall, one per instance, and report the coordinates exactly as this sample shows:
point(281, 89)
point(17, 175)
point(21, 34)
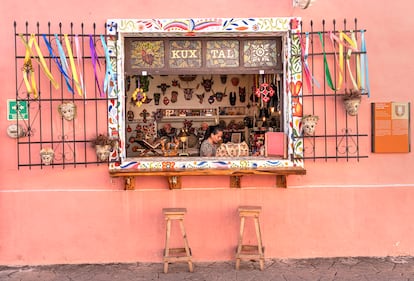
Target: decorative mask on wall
point(188, 93)
point(220, 95)
point(103, 146)
point(174, 96)
point(200, 97)
point(67, 110)
point(235, 81)
point(309, 123)
point(47, 154)
point(174, 83)
point(211, 99)
point(223, 78)
point(103, 152)
point(242, 94)
point(233, 98)
point(130, 115)
point(157, 97)
point(207, 84)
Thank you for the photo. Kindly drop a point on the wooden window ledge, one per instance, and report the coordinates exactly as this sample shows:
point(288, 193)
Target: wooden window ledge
point(174, 176)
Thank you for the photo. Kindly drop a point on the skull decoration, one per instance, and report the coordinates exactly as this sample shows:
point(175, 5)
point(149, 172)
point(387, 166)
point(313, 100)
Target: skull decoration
point(67, 110)
point(309, 123)
point(207, 84)
point(47, 154)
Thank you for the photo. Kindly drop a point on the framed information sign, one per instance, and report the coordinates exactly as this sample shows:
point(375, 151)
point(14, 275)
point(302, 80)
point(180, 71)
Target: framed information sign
point(390, 127)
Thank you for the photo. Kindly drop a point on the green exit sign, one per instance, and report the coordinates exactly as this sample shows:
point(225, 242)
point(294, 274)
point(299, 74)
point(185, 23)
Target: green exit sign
point(17, 110)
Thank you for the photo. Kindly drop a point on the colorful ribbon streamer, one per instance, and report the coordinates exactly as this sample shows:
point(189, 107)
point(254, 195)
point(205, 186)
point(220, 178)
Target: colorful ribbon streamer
point(110, 77)
point(309, 78)
point(79, 61)
point(325, 63)
point(364, 65)
point(64, 64)
point(28, 67)
point(72, 65)
point(95, 62)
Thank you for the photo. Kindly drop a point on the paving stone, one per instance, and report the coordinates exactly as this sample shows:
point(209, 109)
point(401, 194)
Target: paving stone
point(317, 269)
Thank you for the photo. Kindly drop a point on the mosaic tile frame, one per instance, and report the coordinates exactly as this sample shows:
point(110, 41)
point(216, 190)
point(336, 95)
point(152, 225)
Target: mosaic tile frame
point(117, 29)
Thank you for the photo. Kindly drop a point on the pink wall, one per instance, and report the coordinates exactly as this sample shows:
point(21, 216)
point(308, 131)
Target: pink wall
point(81, 215)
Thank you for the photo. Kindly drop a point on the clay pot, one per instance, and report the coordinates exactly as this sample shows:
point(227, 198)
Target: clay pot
point(309, 123)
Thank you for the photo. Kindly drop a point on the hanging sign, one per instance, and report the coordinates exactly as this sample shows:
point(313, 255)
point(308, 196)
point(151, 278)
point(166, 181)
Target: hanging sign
point(17, 110)
point(390, 127)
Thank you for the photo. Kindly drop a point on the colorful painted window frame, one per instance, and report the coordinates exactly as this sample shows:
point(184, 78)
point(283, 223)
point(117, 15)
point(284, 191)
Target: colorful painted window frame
point(118, 29)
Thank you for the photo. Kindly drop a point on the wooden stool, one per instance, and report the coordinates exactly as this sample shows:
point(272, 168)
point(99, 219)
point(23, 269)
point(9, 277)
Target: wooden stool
point(176, 254)
point(250, 252)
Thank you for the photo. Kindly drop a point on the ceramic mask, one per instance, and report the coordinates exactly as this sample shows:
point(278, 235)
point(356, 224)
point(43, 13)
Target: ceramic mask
point(47, 155)
point(67, 110)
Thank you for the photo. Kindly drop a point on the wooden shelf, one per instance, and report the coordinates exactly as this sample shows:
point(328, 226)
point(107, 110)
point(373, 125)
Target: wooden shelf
point(174, 175)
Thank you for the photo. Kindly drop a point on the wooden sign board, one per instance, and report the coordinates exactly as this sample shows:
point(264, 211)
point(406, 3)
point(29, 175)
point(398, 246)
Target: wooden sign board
point(390, 127)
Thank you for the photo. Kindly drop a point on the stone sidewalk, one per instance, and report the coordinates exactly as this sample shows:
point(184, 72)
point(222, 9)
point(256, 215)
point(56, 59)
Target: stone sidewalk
point(344, 269)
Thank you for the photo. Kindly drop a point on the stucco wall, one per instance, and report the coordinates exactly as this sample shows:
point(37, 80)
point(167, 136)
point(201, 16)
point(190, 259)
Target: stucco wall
point(339, 208)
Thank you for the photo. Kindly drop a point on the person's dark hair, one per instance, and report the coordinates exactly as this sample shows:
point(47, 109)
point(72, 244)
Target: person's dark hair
point(212, 130)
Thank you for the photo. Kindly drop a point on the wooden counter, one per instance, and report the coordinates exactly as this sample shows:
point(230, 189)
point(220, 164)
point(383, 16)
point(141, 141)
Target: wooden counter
point(174, 175)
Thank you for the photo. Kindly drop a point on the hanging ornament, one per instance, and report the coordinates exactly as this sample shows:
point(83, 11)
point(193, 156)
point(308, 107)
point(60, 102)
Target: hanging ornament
point(166, 101)
point(265, 92)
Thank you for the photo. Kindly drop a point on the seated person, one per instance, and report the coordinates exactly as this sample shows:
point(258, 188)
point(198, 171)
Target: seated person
point(212, 139)
point(167, 131)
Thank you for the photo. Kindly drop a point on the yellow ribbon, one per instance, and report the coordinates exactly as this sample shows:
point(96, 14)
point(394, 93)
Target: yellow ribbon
point(28, 66)
point(341, 61)
point(72, 65)
point(352, 46)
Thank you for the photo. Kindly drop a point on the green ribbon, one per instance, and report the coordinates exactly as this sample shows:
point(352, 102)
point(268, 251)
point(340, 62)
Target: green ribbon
point(325, 62)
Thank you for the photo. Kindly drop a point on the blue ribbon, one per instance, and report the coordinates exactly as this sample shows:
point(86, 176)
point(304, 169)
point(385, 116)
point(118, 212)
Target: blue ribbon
point(364, 65)
point(109, 75)
point(59, 65)
point(63, 66)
